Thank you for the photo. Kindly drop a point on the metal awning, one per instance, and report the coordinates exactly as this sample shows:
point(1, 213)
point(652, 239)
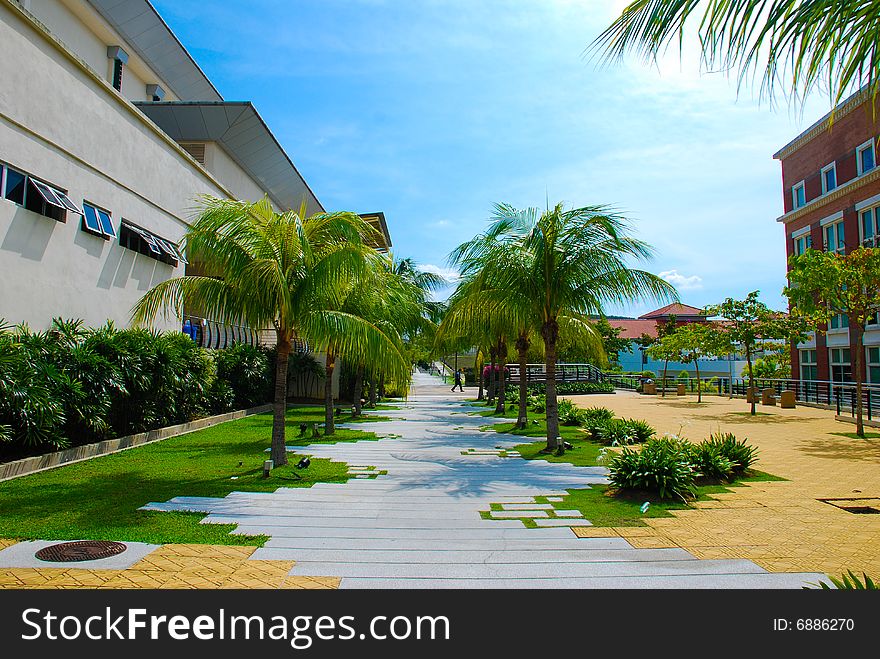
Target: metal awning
point(239, 129)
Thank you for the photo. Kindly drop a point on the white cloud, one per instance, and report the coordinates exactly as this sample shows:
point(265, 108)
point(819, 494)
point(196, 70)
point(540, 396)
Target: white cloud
point(448, 274)
point(682, 282)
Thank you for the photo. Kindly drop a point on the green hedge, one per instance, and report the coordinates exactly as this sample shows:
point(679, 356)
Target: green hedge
point(71, 385)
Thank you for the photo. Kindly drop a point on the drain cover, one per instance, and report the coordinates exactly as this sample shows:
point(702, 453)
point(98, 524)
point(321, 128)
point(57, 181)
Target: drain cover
point(84, 550)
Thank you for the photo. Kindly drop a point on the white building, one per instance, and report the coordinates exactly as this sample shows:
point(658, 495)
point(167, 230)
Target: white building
point(109, 132)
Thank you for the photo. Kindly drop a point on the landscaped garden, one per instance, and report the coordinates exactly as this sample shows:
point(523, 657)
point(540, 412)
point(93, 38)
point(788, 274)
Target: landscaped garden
point(666, 473)
point(100, 498)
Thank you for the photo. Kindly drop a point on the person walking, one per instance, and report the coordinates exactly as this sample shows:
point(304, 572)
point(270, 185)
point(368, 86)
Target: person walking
point(459, 376)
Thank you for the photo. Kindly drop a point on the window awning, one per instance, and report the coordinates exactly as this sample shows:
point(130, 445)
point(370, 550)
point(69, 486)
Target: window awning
point(157, 244)
point(55, 197)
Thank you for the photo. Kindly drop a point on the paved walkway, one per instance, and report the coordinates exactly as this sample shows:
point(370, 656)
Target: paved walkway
point(412, 519)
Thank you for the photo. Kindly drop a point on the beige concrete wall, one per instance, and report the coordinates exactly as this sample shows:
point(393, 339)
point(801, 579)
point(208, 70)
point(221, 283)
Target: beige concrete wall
point(227, 171)
point(61, 125)
point(82, 29)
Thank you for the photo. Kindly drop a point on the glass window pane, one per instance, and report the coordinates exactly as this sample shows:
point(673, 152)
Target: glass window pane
point(840, 239)
point(14, 186)
point(47, 193)
point(799, 196)
point(68, 204)
point(874, 355)
point(868, 224)
point(106, 224)
point(90, 218)
point(867, 158)
point(830, 180)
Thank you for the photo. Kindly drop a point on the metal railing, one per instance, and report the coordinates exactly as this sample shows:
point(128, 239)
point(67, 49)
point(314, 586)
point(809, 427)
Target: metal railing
point(211, 334)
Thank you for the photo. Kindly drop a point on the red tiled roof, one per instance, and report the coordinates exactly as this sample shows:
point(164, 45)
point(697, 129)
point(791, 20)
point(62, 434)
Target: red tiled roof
point(674, 309)
point(633, 329)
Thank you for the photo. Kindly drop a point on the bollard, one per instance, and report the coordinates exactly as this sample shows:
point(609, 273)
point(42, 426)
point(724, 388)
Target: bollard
point(268, 465)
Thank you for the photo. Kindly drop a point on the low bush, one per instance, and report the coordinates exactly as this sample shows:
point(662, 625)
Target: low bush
point(574, 388)
point(596, 414)
point(719, 458)
point(662, 465)
point(569, 415)
point(741, 455)
point(72, 385)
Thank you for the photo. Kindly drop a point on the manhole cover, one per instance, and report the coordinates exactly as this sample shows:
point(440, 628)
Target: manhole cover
point(84, 550)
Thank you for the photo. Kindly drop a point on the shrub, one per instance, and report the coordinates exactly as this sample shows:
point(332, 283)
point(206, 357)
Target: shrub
point(662, 466)
point(247, 371)
point(710, 462)
point(642, 431)
point(683, 375)
point(573, 388)
point(615, 432)
point(594, 414)
point(649, 374)
point(569, 415)
point(537, 403)
point(741, 455)
point(72, 385)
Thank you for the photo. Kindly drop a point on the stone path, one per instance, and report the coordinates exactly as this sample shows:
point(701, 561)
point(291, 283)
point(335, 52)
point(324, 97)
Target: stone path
point(415, 523)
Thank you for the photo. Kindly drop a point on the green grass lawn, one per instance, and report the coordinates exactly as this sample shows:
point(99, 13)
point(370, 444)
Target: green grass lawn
point(99, 498)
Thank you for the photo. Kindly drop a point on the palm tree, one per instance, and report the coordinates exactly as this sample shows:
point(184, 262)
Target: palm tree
point(573, 263)
point(284, 271)
point(829, 43)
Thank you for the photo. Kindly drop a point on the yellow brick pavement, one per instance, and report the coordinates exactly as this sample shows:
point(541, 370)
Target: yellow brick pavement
point(172, 566)
point(782, 525)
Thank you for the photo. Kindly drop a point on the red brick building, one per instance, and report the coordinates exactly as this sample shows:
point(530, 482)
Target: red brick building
point(831, 197)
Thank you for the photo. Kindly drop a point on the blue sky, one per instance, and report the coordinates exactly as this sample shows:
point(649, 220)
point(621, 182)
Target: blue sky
point(432, 111)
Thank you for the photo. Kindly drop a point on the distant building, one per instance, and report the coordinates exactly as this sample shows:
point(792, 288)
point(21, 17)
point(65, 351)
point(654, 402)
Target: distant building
point(647, 325)
point(831, 199)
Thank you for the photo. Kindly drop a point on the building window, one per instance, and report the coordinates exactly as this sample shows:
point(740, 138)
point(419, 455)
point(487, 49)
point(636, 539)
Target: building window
point(834, 238)
point(146, 243)
point(874, 321)
point(97, 221)
point(841, 370)
point(829, 178)
point(839, 321)
point(865, 160)
point(873, 363)
point(809, 368)
point(802, 244)
point(35, 195)
point(799, 195)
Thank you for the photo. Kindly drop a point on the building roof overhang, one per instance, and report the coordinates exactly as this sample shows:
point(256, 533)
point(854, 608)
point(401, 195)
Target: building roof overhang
point(138, 22)
point(239, 129)
point(377, 221)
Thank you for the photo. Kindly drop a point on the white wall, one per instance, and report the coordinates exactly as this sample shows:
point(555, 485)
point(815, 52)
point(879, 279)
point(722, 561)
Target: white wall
point(227, 171)
point(59, 124)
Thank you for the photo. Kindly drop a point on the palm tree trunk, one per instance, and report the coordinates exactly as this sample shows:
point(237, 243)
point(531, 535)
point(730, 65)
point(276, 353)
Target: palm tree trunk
point(279, 407)
point(381, 386)
point(490, 394)
point(550, 332)
point(502, 380)
point(478, 371)
point(329, 428)
point(373, 390)
point(699, 388)
point(358, 391)
point(522, 347)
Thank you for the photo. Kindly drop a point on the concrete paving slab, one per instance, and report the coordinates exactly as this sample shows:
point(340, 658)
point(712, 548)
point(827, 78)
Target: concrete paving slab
point(22, 555)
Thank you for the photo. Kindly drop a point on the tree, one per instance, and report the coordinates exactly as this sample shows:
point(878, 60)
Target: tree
point(824, 43)
point(693, 341)
point(749, 327)
point(656, 349)
point(573, 263)
point(285, 271)
point(611, 341)
point(823, 284)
